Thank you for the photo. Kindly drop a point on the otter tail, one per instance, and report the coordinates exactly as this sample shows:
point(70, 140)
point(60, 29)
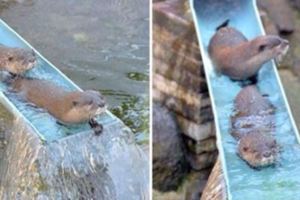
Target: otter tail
point(224, 24)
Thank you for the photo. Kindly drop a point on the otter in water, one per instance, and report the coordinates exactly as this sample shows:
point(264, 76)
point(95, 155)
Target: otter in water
point(253, 125)
point(16, 60)
point(240, 59)
point(66, 106)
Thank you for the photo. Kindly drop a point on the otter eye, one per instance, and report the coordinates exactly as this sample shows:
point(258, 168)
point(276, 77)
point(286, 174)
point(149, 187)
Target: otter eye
point(262, 48)
point(10, 58)
point(245, 149)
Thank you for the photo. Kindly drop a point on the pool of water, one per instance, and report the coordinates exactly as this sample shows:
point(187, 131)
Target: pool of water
point(280, 181)
point(44, 123)
point(102, 45)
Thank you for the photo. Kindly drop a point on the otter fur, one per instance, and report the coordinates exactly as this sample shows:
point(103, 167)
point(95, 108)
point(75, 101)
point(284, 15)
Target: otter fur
point(67, 107)
point(239, 58)
point(16, 60)
point(253, 125)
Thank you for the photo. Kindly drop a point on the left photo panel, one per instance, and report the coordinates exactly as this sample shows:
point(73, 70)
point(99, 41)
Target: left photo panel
point(74, 112)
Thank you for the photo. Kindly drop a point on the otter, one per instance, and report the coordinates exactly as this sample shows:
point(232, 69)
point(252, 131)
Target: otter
point(68, 107)
point(253, 125)
point(16, 60)
point(240, 59)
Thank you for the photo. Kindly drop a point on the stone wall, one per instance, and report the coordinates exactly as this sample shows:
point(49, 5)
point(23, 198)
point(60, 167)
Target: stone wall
point(81, 166)
point(179, 81)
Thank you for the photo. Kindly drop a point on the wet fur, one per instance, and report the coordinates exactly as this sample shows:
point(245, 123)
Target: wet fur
point(253, 125)
point(16, 60)
point(68, 107)
point(240, 59)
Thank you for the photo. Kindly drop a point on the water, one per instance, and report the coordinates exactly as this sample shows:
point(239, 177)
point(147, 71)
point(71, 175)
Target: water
point(100, 45)
point(243, 182)
point(45, 124)
point(81, 165)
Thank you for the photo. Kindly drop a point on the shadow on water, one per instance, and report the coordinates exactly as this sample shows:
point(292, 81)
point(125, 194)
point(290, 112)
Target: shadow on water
point(100, 45)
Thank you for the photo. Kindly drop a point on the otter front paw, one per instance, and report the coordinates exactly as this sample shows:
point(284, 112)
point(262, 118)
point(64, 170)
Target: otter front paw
point(98, 128)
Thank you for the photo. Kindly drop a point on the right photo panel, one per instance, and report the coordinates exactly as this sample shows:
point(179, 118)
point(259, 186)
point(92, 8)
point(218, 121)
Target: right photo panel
point(225, 88)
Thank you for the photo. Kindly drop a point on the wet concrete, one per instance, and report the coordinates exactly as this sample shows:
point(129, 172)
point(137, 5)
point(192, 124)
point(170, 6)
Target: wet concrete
point(87, 42)
point(81, 166)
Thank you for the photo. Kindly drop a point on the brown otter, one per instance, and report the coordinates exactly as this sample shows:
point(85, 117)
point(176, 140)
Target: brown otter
point(66, 106)
point(240, 59)
point(16, 60)
point(253, 125)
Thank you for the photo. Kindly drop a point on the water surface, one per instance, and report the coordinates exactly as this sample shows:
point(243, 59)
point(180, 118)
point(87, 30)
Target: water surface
point(282, 180)
point(100, 45)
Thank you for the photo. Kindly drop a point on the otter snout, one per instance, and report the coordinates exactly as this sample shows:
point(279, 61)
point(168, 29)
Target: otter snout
point(267, 154)
point(96, 101)
point(101, 108)
point(282, 49)
point(269, 47)
point(32, 59)
point(270, 42)
point(274, 41)
point(102, 104)
point(285, 42)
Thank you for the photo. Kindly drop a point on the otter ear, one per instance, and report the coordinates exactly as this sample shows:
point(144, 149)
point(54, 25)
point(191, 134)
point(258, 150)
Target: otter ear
point(262, 47)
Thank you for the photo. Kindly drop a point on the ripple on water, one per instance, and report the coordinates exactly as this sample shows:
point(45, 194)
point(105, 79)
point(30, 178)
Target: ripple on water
point(282, 180)
point(98, 44)
point(271, 181)
point(133, 112)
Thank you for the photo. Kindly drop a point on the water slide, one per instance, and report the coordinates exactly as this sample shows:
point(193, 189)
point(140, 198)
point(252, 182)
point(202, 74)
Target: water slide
point(45, 160)
point(243, 182)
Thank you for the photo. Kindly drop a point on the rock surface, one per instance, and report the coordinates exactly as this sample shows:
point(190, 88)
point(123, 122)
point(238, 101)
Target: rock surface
point(179, 84)
point(281, 14)
point(169, 165)
point(190, 189)
point(178, 78)
point(80, 166)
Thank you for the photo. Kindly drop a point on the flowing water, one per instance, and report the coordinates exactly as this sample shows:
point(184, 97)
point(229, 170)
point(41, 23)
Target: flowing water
point(280, 181)
point(99, 44)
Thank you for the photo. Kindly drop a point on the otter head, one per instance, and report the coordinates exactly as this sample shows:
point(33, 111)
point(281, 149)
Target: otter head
point(258, 149)
point(18, 60)
point(90, 102)
point(268, 47)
